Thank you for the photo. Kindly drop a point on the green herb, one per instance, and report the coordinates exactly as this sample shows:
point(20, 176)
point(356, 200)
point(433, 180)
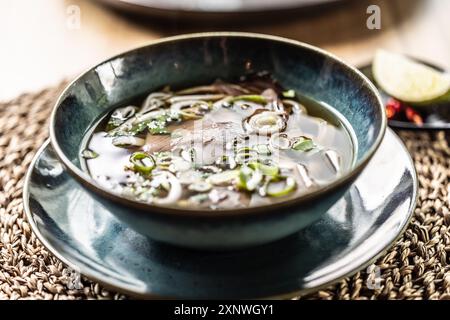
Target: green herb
point(156, 127)
point(289, 94)
point(303, 144)
point(223, 177)
point(163, 158)
point(245, 157)
point(138, 128)
point(251, 98)
point(267, 170)
point(244, 150)
point(290, 185)
point(142, 162)
point(114, 123)
point(249, 179)
point(245, 174)
point(89, 154)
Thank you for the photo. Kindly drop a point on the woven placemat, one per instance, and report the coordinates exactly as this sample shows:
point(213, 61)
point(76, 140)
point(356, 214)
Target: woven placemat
point(416, 267)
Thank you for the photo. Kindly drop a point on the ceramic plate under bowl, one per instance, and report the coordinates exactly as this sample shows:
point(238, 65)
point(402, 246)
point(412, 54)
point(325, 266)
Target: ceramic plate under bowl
point(437, 117)
point(363, 224)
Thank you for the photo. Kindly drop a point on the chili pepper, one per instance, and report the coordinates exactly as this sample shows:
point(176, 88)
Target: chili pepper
point(413, 116)
point(393, 107)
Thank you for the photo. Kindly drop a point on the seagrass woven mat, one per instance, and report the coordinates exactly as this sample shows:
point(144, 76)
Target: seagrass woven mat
point(416, 267)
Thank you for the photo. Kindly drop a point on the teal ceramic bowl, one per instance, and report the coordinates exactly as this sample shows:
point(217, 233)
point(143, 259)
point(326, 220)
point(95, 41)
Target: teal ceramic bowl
point(201, 58)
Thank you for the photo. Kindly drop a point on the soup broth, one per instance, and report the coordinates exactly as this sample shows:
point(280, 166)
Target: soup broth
point(219, 146)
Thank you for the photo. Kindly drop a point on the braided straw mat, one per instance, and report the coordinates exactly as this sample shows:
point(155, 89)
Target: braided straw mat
point(416, 267)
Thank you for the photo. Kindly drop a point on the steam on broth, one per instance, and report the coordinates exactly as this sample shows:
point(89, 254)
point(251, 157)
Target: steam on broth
point(219, 146)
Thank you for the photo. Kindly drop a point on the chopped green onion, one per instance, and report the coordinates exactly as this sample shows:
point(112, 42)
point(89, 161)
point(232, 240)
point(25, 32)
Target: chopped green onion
point(89, 154)
point(251, 98)
point(163, 158)
point(139, 128)
point(120, 115)
point(303, 144)
point(113, 123)
point(263, 149)
point(224, 177)
point(245, 157)
point(280, 141)
point(157, 127)
point(249, 178)
point(244, 150)
point(142, 162)
point(289, 94)
point(267, 170)
point(289, 186)
point(226, 162)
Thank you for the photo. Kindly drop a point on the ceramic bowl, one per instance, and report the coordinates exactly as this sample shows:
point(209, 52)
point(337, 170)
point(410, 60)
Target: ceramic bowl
point(201, 58)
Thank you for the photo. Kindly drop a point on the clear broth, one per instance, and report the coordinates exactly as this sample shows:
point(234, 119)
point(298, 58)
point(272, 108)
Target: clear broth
point(213, 137)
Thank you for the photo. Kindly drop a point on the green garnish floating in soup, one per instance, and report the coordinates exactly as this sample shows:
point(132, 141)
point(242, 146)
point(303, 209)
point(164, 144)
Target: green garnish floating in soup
point(303, 144)
point(142, 163)
point(219, 146)
point(89, 154)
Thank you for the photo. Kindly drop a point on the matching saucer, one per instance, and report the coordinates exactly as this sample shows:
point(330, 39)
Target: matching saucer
point(88, 238)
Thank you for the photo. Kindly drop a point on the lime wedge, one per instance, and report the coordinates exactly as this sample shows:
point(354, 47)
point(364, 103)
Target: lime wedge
point(407, 80)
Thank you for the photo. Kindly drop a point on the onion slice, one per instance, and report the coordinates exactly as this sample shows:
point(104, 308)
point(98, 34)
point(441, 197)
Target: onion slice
point(266, 123)
point(280, 141)
point(175, 190)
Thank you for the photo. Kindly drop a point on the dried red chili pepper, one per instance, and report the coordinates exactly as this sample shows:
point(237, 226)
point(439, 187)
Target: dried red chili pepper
point(413, 116)
point(393, 107)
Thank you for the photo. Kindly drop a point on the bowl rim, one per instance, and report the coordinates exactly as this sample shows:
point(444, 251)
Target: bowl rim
point(87, 181)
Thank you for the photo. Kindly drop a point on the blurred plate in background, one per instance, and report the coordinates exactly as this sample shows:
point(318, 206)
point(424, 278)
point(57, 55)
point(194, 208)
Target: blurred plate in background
point(210, 8)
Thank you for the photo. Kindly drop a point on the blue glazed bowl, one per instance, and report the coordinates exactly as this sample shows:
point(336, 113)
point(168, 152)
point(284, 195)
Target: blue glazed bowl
point(198, 59)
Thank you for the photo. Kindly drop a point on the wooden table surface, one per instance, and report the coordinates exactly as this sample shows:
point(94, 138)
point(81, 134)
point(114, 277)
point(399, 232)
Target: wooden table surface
point(38, 48)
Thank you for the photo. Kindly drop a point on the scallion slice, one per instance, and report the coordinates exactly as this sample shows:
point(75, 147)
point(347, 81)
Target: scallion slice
point(267, 170)
point(289, 94)
point(142, 162)
point(249, 179)
point(251, 97)
point(89, 154)
point(289, 186)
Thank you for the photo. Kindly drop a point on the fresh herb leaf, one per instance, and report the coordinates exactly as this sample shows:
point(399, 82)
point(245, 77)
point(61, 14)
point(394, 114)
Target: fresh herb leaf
point(304, 144)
